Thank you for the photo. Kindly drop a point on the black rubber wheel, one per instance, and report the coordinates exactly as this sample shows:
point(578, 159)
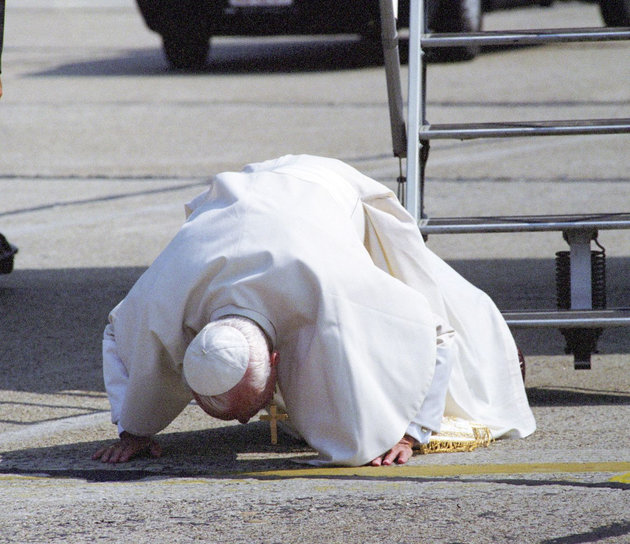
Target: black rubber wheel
point(615, 12)
point(455, 16)
point(186, 53)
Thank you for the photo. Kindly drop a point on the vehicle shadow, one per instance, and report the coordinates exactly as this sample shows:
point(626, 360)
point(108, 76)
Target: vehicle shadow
point(237, 55)
point(270, 54)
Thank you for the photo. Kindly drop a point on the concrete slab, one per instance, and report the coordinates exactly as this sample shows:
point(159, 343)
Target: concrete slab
point(100, 146)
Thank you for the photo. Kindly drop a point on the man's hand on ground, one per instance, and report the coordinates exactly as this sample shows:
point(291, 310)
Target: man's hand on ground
point(399, 454)
point(126, 448)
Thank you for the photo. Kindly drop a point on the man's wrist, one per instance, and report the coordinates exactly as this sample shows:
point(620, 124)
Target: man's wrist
point(410, 440)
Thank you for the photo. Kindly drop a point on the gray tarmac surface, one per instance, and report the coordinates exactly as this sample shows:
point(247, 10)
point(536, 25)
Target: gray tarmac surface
point(100, 146)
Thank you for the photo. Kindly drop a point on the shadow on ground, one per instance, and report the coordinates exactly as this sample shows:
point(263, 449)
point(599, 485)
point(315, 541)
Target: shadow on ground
point(52, 325)
point(210, 452)
point(284, 54)
point(572, 396)
point(51, 321)
point(227, 453)
point(256, 55)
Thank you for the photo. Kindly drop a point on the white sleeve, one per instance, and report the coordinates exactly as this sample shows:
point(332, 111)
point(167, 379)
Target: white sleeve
point(420, 434)
point(115, 375)
point(429, 418)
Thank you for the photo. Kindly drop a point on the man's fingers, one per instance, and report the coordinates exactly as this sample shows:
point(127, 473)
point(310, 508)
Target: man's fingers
point(399, 454)
point(110, 454)
point(98, 453)
point(103, 454)
point(126, 449)
point(391, 456)
point(121, 455)
point(404, 455)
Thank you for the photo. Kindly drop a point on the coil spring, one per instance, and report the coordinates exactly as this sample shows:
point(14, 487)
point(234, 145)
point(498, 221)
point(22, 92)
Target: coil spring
point(598, 279)
point(581, 342)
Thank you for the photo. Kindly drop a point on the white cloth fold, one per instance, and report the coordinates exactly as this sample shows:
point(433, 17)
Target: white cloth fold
point(295, 242)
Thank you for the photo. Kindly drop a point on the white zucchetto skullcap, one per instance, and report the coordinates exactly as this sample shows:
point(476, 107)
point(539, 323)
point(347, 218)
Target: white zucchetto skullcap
point(216, 359)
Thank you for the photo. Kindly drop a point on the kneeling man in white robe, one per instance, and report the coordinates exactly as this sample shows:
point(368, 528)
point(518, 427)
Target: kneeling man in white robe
point(304, 273)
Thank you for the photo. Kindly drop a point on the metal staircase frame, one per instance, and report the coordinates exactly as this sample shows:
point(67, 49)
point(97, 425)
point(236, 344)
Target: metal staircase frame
point(411, 136)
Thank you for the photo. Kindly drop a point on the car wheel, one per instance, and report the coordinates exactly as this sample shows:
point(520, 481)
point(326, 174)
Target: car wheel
point(186, 53)
point(455, 16)
point(615, 12)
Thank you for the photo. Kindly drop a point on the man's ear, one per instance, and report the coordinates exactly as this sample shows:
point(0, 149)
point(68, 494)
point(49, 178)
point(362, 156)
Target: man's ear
point(275, 357)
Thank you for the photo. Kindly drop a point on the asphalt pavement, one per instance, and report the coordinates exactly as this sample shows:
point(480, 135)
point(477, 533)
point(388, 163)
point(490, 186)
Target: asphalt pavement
point(100, 147)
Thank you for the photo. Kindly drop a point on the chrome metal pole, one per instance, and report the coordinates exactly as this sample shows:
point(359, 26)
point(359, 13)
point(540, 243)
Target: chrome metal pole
point(391, 58)
point(414, 107)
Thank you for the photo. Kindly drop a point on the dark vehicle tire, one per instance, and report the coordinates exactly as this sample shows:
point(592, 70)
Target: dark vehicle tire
point(455, 16)
point(185, 27)
point(615, 12)
point(186, 52)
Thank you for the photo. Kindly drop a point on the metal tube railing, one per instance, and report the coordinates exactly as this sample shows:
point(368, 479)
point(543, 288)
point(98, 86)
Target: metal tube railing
point(455, 225)
point(569, 319)
point(470, 131)
point(524, 37)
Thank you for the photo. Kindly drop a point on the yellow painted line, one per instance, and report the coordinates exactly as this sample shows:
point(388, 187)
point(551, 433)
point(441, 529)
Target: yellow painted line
point(404, 471)
point(621, 478)
point(428, 471)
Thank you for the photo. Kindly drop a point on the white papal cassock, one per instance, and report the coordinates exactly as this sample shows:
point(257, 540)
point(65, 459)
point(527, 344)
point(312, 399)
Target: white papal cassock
point(330, 265)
